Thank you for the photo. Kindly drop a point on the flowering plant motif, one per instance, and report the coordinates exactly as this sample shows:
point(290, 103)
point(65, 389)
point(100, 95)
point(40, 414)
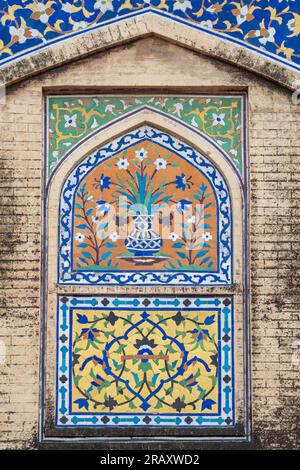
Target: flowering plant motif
point(147, 181)
point(194, 245)
point(95, 247)
point(141, 240)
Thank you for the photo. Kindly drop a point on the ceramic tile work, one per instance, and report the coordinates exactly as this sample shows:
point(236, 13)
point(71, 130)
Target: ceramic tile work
point(270, 27)
point(219, 118)
point(174, 220)
point(134, 361)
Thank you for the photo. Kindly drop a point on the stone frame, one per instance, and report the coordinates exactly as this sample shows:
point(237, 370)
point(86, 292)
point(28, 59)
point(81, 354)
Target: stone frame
point(240, 208)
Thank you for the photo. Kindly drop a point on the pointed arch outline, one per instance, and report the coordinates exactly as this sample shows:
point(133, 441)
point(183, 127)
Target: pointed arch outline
point(117, 129)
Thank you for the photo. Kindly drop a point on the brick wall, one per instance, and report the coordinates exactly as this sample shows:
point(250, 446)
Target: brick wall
point(274, 152)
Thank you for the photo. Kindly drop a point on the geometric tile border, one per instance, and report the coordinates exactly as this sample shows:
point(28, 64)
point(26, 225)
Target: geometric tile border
point(216, 313)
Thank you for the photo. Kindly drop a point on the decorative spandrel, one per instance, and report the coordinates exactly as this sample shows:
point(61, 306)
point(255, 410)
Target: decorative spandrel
point(70, 120)
point(145, 362)
point(145, 209)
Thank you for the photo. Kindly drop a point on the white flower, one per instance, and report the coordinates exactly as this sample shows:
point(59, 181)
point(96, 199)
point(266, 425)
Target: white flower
point(70, 121)
point(23, 33)
point(160, 163)
point(90, 198)
point(109, 108)
point(95, 219)
point(191, 220)
point(104, 5)
point(79, 237)
point(207, 236)
point(173, 236)
point(243, 14)
point(67, 7)
point(66, 249)
point(78, 25)
point(194, 122)
point(182, 5)
point(178, 108)
point(291, 24)
point(206, 24)
point(114, 236)
point(123, 164)
point(218, 119)
point(233, 152)
point(141, 154)
point(44, 17)
point(267, 36)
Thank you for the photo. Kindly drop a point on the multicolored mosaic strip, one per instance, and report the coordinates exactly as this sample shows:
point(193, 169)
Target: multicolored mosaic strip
point(72, 119)
point(142, 362)
point(160, 182)
point(269, 27)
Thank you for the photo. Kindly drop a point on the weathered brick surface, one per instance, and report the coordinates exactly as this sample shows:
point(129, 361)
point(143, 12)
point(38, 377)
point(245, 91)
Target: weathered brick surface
point(274, 152)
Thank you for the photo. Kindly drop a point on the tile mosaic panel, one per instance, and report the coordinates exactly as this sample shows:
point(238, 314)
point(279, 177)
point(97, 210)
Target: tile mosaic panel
point(177, 225)
point(72, 119)
point(143, 362)
point(269, 27)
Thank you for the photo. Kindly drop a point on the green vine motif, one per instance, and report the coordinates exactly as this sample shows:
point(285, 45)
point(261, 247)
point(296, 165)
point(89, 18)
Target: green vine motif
point(72, 119)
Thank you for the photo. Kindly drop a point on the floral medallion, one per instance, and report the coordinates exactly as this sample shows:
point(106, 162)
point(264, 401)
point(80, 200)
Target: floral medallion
point(145, 362)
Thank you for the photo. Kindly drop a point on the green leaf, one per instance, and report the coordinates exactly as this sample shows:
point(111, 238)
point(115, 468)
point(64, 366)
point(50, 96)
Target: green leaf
point(170, 348)
point(158, 405)
point(77, 379)
point(145, 366)
point(132, 405)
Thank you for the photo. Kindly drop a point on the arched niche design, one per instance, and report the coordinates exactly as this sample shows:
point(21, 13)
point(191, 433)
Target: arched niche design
point(219, 408)
point(154, 172)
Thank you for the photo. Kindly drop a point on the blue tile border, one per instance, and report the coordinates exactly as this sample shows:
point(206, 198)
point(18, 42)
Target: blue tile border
point(268, 27)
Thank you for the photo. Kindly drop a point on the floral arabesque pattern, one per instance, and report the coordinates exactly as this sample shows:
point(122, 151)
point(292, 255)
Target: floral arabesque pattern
point(152, 179)
point(270, 27)
point(137, 361)
point(71, 119)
